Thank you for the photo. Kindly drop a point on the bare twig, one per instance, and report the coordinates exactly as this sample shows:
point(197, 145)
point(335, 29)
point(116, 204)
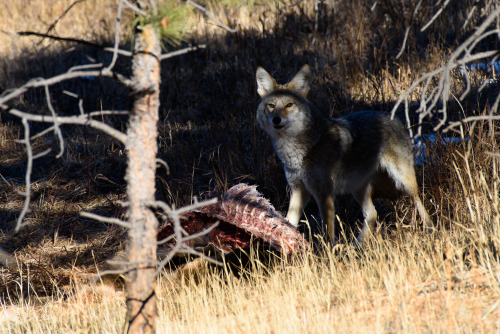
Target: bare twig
point(201, 233)
point(182, 51)
point(117, 36)
point(469, 17)
point(135, 8)
point(107, 112)
point(210, 16)
point(180, 240)
point(57, 129)
point(436, 15)
point(52, 26)
point(115, 272)
point(127, 267)
point(190, 236)
point(165, 240)
point(161, 205)
point(102, 219)
point(178, 237)
point(415, 10)
point(82, 120)
point(470, 119)
point(195, 205)
point(29, 167)
point(91, 114)
point(180, 247)
point(404, 43)
point(42, 154)
point(174, 215)
point(168, 210)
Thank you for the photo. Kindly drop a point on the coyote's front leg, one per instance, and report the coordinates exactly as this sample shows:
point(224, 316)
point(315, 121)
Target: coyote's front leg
point(298, 199)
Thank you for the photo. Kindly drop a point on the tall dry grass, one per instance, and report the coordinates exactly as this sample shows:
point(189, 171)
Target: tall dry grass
point(400, 285)
point(18, 52)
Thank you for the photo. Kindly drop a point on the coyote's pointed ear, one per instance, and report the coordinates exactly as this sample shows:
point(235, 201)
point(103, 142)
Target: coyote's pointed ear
point(301, 80)
point(265, 82)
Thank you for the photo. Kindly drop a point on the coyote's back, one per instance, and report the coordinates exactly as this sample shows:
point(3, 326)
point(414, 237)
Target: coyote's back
point(324, 157)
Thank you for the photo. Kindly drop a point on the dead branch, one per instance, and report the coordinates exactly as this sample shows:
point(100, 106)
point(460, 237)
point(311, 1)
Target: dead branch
point(470, 119)
point(29, 167)
point(75, 120)
point(57, 129)
point(189, 250)
point(102, 219)
point(182, 51)
point(41, 82)
point(140, 143)
point(462, 55)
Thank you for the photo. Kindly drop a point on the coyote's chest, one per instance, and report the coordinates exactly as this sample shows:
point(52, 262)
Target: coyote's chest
point(291, 153)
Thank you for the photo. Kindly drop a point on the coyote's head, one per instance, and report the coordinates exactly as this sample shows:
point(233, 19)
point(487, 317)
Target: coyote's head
point(283, 109)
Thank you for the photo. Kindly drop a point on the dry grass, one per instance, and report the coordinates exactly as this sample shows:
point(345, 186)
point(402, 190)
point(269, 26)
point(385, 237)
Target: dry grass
point(403, 281)
point(37, 16)
point(395, 285)
point(387, 289)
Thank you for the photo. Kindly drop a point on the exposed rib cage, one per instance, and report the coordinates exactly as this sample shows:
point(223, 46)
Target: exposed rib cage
point(246, 209)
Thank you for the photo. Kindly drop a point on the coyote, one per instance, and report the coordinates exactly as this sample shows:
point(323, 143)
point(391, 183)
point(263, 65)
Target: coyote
point(324, 157)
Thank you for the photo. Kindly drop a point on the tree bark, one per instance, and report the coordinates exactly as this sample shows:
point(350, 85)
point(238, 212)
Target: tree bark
point(141, 146)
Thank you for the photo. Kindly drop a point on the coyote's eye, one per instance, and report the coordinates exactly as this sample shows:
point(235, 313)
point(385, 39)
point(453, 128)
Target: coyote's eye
point(289, 105)
point(271, 105)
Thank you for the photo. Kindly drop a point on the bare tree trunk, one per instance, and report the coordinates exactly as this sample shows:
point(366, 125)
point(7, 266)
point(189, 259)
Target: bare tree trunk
point(141, 148)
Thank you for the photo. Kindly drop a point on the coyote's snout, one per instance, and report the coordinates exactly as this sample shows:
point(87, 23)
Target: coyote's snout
point(324, 157)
